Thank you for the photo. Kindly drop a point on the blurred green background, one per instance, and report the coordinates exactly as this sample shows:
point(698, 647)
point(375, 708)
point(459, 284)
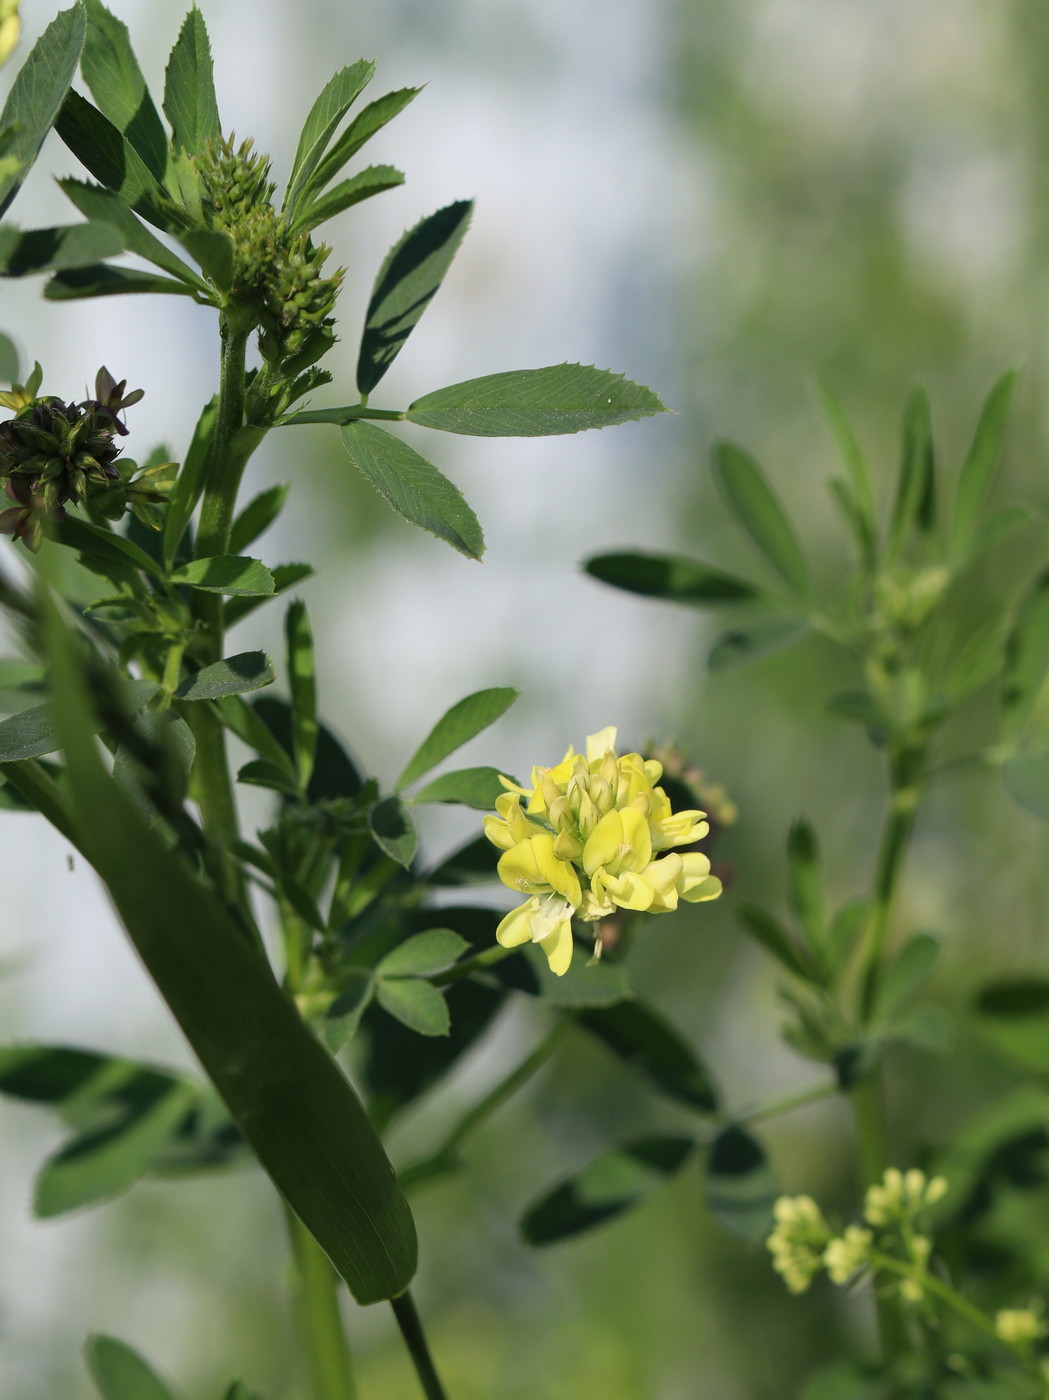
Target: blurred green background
point(728, 200)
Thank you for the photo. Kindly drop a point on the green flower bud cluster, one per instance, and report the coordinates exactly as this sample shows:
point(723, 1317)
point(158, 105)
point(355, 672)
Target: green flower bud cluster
point(53, 453)
point(277, 272)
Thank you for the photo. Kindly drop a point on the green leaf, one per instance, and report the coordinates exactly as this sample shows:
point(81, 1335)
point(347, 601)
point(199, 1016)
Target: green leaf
point(613, 1184)
point(456, 727)
point(536, 403)
point(335, 775)
point(100, 205)
point(243, 720)
point(641, 1037)
point(343, 1017)
point(991, 531)
point(260, 772)
point(392, 828)
point(417, 1005)
point(34, 732)
point(101, 280)
point(423, 953)
point(366, 183)
point(1025, 688)
point(291, 1101)
point(978, 469)
point(755, 641)
point(46, 249)
point(248, 670)
point(413, 487)
point(852, 457)
point(9, 362)
point(906, 974)
point(915, 500)
point(741, 1185)
point(256, 517)
point(671, 577)
point(111, 71)
point(843, 933)
point(189, 484)
point(231, 574)
point(757, 508)
point(472, 787)
point(114, 162)
point(106, 1161)
point(213, 249)
point(37, 95)
point(363, 127)
point(105, 546)
point(977, 662)
point(805, 882)
point(285, 576)
point(1026, 778)
point(120, 1373)
point(189, 88)
point(777, 939)
point(334, 101)
point(411, 272)
point(1013, 1015)
point(302, 681)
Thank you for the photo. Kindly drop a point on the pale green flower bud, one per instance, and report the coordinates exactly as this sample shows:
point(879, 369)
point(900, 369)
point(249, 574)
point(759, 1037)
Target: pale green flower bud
point(1019, 1325)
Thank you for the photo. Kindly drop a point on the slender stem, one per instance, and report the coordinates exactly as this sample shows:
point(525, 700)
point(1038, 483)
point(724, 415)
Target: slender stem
point(509, 1086)
point(788, 1103)
point(415, 1340)
point(321, 1333)
point(225, 461)
point(495, 954)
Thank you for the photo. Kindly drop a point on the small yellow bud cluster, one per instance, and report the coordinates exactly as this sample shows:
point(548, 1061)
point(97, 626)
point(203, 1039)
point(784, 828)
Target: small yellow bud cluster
point(901, 1196)
point(582, 842)
point(799, 1242)
point(1016, 1326)
point(850, 1252)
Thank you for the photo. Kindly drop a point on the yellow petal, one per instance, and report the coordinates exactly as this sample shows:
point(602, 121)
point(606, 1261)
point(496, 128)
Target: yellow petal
point(519, 868)
point(556, 874)
point(514, 930)
point(636, 836)
point(709, 888)
point(558, 948)
point(597, 745)
point(629, 891)
point(604, 842)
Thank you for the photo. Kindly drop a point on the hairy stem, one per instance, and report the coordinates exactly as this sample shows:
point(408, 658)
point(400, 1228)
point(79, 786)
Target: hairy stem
point(321, 1333)
point(415, 1340)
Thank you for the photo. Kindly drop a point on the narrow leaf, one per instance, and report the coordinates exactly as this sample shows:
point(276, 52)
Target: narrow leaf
point(114, 162)
point(104, 281)
point(111, 71)
point(741, 1185)
point(121, 1374)
point(417, 1005)
point(755, 641)
point(190, 481)
point(914, 491)
point(285, 576)
point(227, 573)
point(423, 953)
point(978, 469)
point(36, 97)
point(334, 101)
point(641, 1037)
point(1025, 688)
point(101, 205)
point(249, 670)
point(670, 577)
point(455, 727)
point(34, 732)
point(303, 683)
point(213, 249)
point(471, 787)
point(411, 272)
point(608, 1187)
point(48, 249)
point(757, 508)
point(776, 939)
point(189, 88)
point(363, 127)
point(413, 487)
point(376, 179)
point(536, 403)
point(392, 828)
point(852, 457)
point(256, 517)
point(299, 1113)
point(806, 884)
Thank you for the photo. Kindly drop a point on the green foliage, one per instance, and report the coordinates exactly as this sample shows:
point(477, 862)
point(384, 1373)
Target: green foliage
point(741, 1185)
point(465, 720)
point(120, 1373)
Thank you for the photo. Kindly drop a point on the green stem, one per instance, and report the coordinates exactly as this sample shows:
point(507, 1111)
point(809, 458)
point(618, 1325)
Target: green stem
point(787, 1104)
point(321, 1333)
point(415, 1340)
point(226, 460)
point(495, 954)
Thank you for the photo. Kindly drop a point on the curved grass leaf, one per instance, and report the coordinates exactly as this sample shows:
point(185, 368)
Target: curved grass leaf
point(741, 1185)
point(249, 670)
point(671, 577)
point(111, 71)
point(114, 162)
point(293, 1104)
point(392, 828)
point(37, 95)
point(413, 487)
point(101, 280)
point(536, 403)
point(411, 272)
point(49, 249)
point(756, 640)
point(334, 101)
point(608, 1187)
point(363, 127)
point(979, 466)
point(102, 206)
point(190, 104)
point(120, 1373)
point(915, 498)
point(232, 574)
point(644, 1039)
point(758, 509)
point(456, 727)
point(416, 1004)
point(376, 179)
point(471, 787)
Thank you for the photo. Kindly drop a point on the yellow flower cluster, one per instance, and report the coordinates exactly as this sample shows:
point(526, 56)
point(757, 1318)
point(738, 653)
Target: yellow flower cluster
point(1017, 1326)
point(799, 1241)
point(584, 839)
point(901, 1196)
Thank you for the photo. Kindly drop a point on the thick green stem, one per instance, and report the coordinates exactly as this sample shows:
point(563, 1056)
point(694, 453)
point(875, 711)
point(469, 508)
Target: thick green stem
point(321, 1332)
point(415, 1340)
